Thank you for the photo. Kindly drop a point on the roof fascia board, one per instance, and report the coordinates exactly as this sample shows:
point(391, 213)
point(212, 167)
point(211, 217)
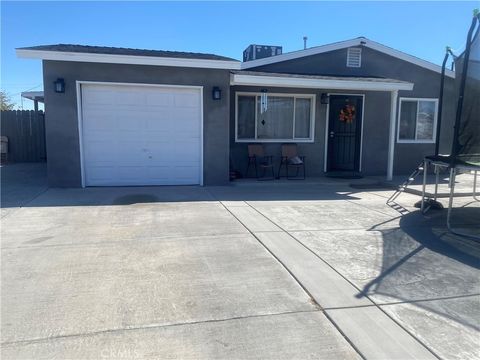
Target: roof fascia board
point(32, 93)
point(300, 53)
point(345, 44)
point(330, 84)
point(127, 59)
point(406, 57)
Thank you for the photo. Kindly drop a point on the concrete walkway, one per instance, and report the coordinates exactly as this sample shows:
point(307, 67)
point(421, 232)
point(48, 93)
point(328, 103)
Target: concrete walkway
point(277, 270)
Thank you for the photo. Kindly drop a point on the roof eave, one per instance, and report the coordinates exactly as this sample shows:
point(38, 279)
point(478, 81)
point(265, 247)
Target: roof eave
point(330, 84)
point(33, 95)
point(342, 45)
point(127, 59)
point(299, 54)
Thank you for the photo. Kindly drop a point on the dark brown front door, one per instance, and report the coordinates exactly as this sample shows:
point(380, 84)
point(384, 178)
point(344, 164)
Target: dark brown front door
point(344, 132)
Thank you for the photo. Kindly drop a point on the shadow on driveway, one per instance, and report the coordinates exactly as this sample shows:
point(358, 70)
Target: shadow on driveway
point(421, 264)
point(22, 183)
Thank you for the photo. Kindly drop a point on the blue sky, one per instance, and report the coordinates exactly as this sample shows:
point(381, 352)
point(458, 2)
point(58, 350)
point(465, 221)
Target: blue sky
point(225, 28)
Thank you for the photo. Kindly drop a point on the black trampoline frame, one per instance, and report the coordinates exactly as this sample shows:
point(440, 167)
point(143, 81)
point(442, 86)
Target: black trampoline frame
point(452, 162)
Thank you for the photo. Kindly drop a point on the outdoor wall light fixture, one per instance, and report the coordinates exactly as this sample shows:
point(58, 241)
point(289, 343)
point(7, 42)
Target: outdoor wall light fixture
point(216, 93)
point(324, 98)
point(59, 85)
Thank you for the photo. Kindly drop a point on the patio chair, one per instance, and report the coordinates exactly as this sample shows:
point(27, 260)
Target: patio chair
point(258, 159)
point(289, 159)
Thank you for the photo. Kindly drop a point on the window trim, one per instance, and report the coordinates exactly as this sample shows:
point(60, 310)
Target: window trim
point(435, 119)
point(311, 139)
point(351, 49)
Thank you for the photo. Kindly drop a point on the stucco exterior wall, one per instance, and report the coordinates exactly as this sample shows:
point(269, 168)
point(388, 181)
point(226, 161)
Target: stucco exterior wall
point(375, 133)
point(62, 135)
point(376, 64)
point(220, 148)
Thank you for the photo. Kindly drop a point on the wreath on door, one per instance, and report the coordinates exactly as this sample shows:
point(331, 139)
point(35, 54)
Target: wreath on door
point(347, 114)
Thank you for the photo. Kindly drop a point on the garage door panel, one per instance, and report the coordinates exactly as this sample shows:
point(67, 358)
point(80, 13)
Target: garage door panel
point(156, 135)
point(161, 123)
point(97, 96)
point(186, 150)
point(99, 120)
point(161, 114)
point(95, 151)
point(99, 135)
point(161, 151)
point(131, 156)
point(160, 173)
point(135, 98)
point(185, 173)
point(186, 131)
point(160, 99)
point(132, 173)
point(186, 114)
point(99, 150)
point(141, 135)
point(186, 100)
point(124, 175)
point(186, 128)
point(99, 174)
point(130, 122)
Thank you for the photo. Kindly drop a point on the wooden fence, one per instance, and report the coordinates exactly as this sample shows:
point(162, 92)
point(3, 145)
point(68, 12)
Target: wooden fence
point(25, 130)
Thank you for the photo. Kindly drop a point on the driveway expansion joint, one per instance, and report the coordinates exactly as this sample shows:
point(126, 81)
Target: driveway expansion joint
point(126, 240)
point(152, 326)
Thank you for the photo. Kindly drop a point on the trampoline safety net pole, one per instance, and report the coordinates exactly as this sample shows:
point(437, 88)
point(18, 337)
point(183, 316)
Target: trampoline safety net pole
point(440, 97)
point(466, 124)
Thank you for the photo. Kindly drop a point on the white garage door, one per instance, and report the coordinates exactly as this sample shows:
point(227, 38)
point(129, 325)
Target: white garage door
point(141, 135)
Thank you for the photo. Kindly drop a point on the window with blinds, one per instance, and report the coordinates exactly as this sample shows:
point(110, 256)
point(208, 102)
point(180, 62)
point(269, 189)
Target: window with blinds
point(288, 118)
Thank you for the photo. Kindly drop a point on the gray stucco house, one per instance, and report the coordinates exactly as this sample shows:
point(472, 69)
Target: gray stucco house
point(145, 117)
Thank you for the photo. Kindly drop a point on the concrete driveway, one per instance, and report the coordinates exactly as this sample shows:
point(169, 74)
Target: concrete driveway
point(271, 270)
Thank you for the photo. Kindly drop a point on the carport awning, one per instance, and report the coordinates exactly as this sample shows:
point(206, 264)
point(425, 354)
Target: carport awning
point(254, 78)
point(34, 96)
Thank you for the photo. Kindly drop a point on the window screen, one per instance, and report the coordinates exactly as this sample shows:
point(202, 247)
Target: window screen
point(417, 120)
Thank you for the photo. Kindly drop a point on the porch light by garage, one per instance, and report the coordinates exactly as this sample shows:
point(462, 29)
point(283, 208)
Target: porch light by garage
point(59, 85)
point(216, 93)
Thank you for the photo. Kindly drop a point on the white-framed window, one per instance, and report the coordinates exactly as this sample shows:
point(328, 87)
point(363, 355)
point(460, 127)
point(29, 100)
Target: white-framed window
point(288, 117)
point(354, 57)
point(417, 120)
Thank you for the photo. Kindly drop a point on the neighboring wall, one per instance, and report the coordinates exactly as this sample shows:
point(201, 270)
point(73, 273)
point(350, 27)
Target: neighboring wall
point(377, 64)
point(62, 134)
point(376, 124)
point(25, 130)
